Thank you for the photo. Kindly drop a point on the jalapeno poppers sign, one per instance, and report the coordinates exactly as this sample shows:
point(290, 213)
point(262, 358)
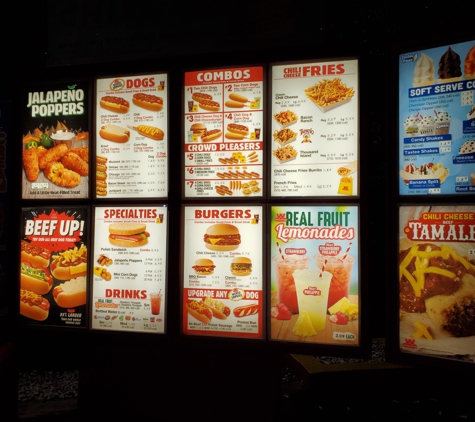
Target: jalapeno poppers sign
point(223, 272)
point(437, 281)
point(55, 142)
point(130, 262)
point(53, 266)
point(315, 274)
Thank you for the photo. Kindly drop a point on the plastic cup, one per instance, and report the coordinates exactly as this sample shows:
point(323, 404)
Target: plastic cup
point(340, 267)
point(312, 286)
point(155, 303)
point(284, 268)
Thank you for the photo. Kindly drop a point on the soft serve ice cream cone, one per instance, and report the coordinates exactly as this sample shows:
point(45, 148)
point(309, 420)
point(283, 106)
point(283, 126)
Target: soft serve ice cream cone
point(449, 67)
point(424, 71)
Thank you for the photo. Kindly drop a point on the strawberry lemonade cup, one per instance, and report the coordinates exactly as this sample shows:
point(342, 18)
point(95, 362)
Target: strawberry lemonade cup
point(340, 266)
point(285, 265)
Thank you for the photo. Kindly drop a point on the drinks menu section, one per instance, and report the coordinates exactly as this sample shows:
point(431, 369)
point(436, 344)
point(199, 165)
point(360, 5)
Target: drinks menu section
point(55, 140)
point(437, 281)
point(130, 269)
point(53, 266)
point(437, 120)
point(315, 129)
point(223, 271)
point(132, 137)
point(223, 133)
point(314, 292)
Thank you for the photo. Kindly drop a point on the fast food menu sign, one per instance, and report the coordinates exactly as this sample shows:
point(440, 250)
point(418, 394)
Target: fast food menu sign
point(437, 281)
point(314, 292)
point(437, 120)
point(132, 137)
point(53, 266)
point(315, 129)
point(130, 269)
point(223, 133)
point(223, 271)
point(55, 140)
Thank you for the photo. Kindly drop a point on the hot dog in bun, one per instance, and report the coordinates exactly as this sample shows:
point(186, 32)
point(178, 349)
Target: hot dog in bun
point(33, 306)
point(240, 129)
point(148, 101)
point(204, 266)
point(114, 133)
point(241, 266)
point(101, 187)
point(36, 279)
point(71, 293)
point(199, 311)
point(70, 264)
point(209, 105)
point(211, 135)
point(115, 104)
point(36, 255)
point(200, 96)
point(222, 237)
point(219, 309)
point(128, 234)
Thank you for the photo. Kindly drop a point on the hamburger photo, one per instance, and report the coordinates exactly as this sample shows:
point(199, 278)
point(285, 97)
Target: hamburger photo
point(128, 234)
point(198, 129)
point(241, 266)
point(204, 266)
point(222, 237)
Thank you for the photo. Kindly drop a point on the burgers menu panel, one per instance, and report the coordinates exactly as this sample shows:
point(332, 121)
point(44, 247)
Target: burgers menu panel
point(315, 129)
point(53, 266)
point(132, 137)
point(223, 271)
point(437, 281)
point(314, 271)
point(223, 133)
point(437, 120)
point(55, 144)
point(130, 269)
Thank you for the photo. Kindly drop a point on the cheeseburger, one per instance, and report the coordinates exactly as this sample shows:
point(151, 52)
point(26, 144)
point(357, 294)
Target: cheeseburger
point(204, 266)
point(241, 266)
point(198, 128)
point(222, 237)
point(128, 234)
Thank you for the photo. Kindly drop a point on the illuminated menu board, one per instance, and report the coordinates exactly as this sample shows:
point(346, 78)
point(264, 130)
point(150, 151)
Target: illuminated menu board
point(437, 297)
point(53, 266)
point(223, 133)
point(437, 120)
point(130, 269)
point(315, 129)
point(55, 142)
point(223, 271)
point(132, 137)
point(314, 294)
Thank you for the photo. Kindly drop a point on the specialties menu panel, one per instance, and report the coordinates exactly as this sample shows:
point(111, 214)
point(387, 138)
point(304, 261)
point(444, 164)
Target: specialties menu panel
point(437, 281)
point(314, 291)
point(53, 266)
point(223, 271)
point(132, 137)
point(55, 144)
point(437, 120)
point(315, 129)
point(130, 269)
point(223, 133)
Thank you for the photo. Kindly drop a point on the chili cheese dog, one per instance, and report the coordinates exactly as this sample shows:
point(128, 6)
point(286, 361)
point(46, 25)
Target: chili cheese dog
point(236, 128)
point(36, 279)
point(36, 255)
point(200, 96)
point(115, 104)
point(211, 135)
point(247, 310)
point(70, 264)
point(209, 105)
point(33, 306)
point(148, 101)
point(199, 311)
point(219, 309)
point(114, 133)
point(70, 294)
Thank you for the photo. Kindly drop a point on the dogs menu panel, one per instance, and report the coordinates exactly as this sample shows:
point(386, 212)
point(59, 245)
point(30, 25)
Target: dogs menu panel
point(53, 266)
point(315, 129)
point(437, 120)
point(130, 269)
point(55, 142)
point(223, 271)
point(132, 137)
point(223, 133)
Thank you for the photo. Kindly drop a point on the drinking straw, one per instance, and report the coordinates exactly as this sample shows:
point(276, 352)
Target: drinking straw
point(280, 250)
point(323, 267)
point(347, 250)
